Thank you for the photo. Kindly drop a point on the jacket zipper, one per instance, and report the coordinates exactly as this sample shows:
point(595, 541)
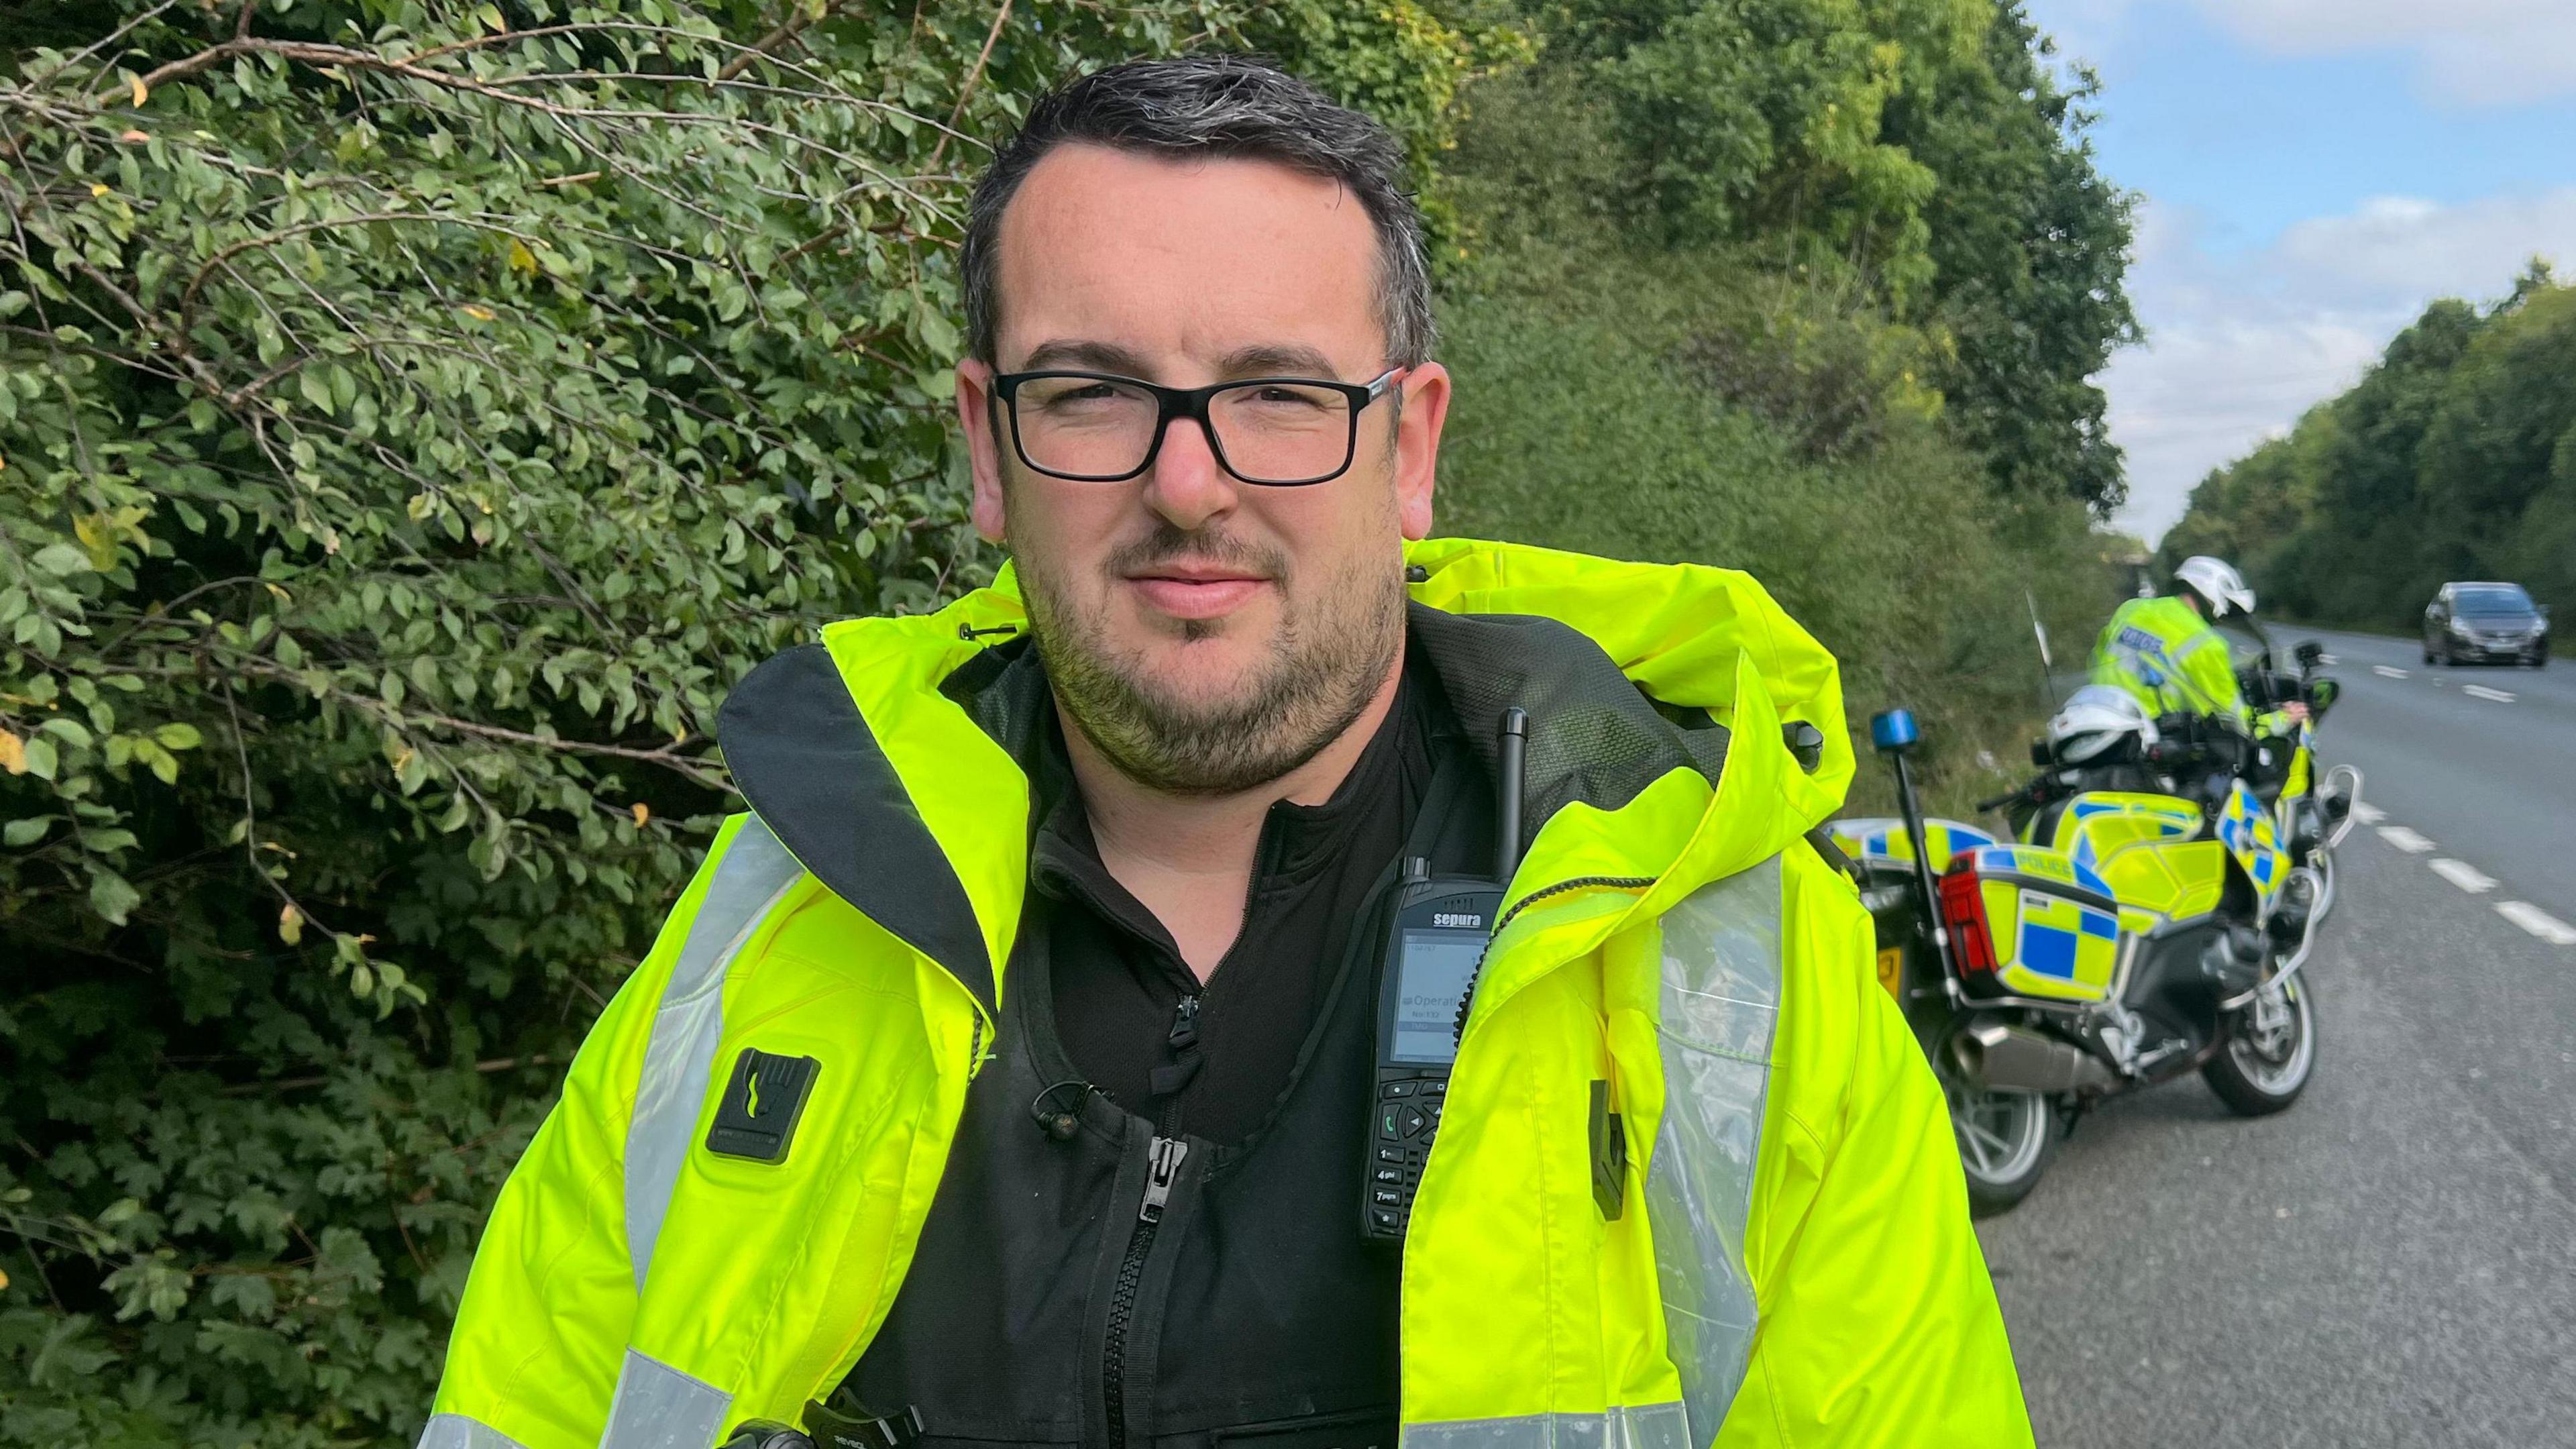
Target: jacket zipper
point(1162, 1165)
point(1476, 973)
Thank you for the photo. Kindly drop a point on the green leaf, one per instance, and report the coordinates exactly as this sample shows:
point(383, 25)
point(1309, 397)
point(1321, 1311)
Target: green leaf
point(26, 830)
point(62, 560)
point(178, 736)
point(111, 895)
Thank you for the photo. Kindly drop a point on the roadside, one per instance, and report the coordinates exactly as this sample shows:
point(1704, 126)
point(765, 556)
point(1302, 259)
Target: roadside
point(2382, 1265)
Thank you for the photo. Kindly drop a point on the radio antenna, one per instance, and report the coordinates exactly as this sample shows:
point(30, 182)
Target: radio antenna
point(1508, 764)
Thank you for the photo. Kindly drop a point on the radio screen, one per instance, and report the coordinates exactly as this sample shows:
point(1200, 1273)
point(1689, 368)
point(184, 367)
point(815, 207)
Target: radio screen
point(1437, 967)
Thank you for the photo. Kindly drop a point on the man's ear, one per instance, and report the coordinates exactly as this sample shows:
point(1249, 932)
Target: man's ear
point(983, 449)
point(1417, 445)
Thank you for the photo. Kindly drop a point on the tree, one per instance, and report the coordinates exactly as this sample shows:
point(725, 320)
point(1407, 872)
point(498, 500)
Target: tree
point(1915, 157)
point(2028, 246)
point(2454, 457)
point(414, 414)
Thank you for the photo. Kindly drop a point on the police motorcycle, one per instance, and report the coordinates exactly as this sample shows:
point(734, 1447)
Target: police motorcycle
point(2312, 811)
point(2147, 915)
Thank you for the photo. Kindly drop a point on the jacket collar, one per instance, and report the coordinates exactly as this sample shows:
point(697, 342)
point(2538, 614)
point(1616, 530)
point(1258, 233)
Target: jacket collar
point(1655, 692)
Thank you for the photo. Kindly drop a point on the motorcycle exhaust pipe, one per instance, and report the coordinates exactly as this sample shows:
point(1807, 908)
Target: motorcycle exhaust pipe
point(1999, 1058)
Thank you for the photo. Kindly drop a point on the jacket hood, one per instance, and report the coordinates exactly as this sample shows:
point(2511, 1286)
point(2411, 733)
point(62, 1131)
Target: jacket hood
point(1657, 695)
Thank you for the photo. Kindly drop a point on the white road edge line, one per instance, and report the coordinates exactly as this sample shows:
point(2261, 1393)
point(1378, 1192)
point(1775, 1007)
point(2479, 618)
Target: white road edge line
point(2386, 671)
point(2405, 839)
point(2500, 696)
point(2367, 813)
point(2538, 922)
point(2464, 875)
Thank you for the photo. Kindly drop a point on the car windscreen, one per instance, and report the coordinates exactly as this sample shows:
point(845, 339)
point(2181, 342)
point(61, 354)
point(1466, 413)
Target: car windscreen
point(2492, 599)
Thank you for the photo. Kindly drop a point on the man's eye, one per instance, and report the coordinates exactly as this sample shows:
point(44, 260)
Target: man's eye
point(1285, 397)
point(1090, 392)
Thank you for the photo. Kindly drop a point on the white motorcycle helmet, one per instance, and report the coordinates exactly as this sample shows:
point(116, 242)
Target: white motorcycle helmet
point(2096, 721)
point(2219, 583)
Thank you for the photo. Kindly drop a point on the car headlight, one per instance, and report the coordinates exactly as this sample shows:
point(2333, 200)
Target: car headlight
point(2460, 628)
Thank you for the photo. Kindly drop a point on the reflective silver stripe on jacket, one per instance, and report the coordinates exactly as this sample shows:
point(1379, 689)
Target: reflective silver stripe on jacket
point(680, 1060)
point(1652, 1426)
point(1721, 998)
point(659, 1407)
point(455, 1431)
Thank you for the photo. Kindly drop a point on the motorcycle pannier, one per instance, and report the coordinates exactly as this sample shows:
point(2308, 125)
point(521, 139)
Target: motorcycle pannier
point(2028, 921)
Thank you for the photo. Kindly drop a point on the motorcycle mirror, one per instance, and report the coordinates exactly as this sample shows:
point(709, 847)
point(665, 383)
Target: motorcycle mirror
point(2311, 653)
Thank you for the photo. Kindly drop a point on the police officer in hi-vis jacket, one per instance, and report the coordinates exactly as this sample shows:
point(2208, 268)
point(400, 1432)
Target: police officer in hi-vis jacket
point(1006, 1076)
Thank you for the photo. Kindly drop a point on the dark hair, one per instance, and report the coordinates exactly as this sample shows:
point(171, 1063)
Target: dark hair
point(1213, 105)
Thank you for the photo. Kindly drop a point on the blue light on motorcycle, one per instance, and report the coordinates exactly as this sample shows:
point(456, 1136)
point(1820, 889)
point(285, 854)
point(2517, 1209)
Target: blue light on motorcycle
point(1893, 729)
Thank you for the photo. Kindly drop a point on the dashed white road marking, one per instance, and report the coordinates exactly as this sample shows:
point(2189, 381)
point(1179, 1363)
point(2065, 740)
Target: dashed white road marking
point(2328, 659)
point(2405, 839)
point(2388, 671)
point(2538, 922)
point(2464, 875)
point(2367, 813)
point(2500, 696)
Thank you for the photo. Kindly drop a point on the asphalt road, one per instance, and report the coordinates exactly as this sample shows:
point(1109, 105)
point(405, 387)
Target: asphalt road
point(2393, 1260)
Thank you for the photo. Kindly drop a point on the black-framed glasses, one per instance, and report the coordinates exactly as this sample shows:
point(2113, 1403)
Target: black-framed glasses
point(1099, 427)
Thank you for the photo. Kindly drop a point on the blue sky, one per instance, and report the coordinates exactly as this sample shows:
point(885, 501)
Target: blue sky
point(2311, 173)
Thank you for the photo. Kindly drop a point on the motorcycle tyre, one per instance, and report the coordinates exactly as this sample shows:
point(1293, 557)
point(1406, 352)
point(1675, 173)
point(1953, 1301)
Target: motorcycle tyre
point(2239, 1089)
point(1988, 1195)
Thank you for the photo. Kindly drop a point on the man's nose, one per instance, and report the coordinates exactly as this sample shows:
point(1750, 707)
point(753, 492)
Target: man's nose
point(1186, 485)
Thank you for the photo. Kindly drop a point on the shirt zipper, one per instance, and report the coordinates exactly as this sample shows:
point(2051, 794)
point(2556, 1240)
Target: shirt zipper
point(1162, 1166)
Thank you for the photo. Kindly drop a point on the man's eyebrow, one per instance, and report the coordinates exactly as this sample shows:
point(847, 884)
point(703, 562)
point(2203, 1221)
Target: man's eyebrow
point(1260, 359)
point(1085, 356)
point(1276, 359)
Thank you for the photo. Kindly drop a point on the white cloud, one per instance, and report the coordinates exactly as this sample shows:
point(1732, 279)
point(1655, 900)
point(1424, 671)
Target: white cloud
point(2239, 346)
point(2472, 52)
point(2476, 51)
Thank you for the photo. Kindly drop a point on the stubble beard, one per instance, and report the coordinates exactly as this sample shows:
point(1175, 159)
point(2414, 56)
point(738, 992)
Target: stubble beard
point(1333, 652)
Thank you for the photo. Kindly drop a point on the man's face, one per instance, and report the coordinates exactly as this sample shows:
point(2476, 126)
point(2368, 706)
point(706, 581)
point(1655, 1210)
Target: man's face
point(1207, 634)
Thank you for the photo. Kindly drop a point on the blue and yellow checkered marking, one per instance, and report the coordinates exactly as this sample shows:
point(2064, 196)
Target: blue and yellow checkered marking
point(2066, 940)
point(1884, 841)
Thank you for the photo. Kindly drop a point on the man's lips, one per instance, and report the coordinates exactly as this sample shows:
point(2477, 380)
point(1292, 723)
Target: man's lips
point(1191, 594)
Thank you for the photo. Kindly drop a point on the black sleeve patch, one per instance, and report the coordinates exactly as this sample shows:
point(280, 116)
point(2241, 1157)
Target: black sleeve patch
point(763, 1099)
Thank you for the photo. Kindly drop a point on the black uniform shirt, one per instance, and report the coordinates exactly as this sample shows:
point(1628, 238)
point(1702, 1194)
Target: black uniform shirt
point(1044, 1305)
point(1212, 1061)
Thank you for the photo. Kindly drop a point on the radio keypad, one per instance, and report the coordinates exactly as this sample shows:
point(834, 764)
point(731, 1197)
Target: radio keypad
point(1408, 1120)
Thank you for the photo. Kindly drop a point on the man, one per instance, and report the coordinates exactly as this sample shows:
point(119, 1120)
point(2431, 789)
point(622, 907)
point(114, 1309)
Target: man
point(1005, 1077)
point(2164, 652)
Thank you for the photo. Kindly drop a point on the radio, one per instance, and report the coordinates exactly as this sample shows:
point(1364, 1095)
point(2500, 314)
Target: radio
point(1435, 943)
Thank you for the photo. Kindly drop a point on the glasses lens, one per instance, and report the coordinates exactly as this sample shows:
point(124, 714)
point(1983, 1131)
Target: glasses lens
point(1283, 432)
point(1086, 427)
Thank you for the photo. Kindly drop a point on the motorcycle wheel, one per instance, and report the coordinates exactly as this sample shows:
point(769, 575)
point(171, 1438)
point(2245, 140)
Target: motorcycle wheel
point(2006, 1140)
point(2270, 1054)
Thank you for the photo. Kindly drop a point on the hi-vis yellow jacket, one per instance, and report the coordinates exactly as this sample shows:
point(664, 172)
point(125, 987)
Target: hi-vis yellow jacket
point(2171, 660)
point(1792, 1265)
